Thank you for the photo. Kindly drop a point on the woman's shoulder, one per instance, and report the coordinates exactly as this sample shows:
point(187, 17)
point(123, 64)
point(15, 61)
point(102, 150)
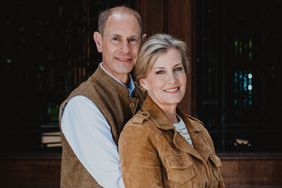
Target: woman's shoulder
point(139, 121)
point(140, 118)
point(138, 127)
point(196, 123)
point(194, 119)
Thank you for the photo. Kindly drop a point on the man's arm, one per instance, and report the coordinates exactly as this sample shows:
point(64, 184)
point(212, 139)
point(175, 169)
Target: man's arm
point(90, 137)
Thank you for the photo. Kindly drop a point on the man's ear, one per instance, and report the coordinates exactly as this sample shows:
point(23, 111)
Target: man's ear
point(98, 40)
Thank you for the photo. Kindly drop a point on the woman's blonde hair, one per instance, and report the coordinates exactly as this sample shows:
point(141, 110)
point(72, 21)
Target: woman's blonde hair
point(155, 46)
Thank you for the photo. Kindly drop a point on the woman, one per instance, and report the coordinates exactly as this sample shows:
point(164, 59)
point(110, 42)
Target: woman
point(161, 146)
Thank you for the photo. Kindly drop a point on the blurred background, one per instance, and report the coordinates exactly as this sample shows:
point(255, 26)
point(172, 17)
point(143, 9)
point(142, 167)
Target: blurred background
point(234, 87)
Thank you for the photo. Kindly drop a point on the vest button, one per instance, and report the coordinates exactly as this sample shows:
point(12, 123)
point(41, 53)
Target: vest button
point(132, 105)
point(145, 114)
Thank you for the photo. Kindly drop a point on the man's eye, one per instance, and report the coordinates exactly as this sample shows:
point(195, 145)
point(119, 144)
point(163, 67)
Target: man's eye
point(133, 41)
point(115, 39)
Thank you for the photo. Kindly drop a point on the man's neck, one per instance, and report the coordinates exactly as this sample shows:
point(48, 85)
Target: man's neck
point(124, 80)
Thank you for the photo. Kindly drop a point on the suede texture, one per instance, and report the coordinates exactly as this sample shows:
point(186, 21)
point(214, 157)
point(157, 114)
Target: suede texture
point(153, 154)
point(116, 105)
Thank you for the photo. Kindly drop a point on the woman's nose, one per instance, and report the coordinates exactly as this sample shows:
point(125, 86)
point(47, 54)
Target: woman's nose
point(172, 78)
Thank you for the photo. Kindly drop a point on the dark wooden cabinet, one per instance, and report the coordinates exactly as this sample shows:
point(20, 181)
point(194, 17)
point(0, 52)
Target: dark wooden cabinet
point(42, 170)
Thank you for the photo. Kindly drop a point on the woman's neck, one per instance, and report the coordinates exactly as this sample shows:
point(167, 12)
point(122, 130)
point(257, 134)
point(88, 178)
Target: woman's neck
point(170, 111)
point(172, 116)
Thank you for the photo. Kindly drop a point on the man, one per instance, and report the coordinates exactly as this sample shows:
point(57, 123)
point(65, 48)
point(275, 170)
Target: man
point(93, 115)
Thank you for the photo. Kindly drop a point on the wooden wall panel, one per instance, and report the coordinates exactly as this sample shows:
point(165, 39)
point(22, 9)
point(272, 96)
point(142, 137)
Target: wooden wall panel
point(42, 170)
point(172, 17)
point(153, 14)
point(30, 170)
point(180, 25)
point(252, 170)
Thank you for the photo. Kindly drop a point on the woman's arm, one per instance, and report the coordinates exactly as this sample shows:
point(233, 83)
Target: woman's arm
point(140, 164)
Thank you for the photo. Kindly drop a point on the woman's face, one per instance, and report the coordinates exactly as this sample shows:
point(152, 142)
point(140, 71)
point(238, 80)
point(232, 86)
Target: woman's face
point(166, 81)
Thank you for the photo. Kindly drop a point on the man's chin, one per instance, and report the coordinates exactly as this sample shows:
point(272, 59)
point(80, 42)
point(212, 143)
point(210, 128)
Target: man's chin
point(124, 69)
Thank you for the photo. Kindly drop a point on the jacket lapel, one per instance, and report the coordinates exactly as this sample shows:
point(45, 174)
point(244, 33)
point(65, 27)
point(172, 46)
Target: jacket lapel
point(181, 144)
point(198, 138)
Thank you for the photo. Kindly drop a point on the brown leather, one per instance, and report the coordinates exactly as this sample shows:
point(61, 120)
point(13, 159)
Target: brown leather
point(154, 155)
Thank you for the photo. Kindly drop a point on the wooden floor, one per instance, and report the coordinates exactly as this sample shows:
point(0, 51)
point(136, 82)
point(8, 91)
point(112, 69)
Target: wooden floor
point(42, 170)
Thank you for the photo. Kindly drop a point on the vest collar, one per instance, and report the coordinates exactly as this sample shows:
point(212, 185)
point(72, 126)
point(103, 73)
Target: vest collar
point(130, 86)
point(107, 80)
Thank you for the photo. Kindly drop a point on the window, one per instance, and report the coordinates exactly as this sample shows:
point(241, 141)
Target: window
point(47, 50)
point(239, 74)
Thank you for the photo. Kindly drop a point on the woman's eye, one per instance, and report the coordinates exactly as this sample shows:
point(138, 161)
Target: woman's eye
point(160, 72)
point(178, 68)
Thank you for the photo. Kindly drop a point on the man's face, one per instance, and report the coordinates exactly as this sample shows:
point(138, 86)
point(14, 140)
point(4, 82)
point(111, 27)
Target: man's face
point(119, 44)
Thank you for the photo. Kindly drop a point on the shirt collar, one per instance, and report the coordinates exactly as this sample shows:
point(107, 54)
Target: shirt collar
point(179, 122)
point(131, 85)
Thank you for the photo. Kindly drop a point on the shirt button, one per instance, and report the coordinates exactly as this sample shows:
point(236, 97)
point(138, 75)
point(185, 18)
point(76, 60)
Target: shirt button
point(132, 105)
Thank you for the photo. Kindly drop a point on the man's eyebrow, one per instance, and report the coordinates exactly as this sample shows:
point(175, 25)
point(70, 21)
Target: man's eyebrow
point(115, 35)
point(135, 36)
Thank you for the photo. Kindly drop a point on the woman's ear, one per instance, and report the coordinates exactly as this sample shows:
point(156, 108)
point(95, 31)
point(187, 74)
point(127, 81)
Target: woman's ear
point(143, 83)
point(98, 40)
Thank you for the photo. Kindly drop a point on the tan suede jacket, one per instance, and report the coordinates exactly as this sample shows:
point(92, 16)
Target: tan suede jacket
point(153, 154)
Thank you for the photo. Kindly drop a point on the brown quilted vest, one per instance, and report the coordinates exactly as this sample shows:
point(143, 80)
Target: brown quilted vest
point(117, 107)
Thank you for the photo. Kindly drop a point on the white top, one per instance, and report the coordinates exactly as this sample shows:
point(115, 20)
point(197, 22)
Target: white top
point(89, 135)
point(182, 130)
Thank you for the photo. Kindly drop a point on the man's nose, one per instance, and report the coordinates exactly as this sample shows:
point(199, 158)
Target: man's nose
point(125, 46)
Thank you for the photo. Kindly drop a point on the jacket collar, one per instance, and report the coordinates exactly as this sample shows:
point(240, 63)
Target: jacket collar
point(193, 127)
point(155, 113)
point(163, 123)
point(200, 150)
